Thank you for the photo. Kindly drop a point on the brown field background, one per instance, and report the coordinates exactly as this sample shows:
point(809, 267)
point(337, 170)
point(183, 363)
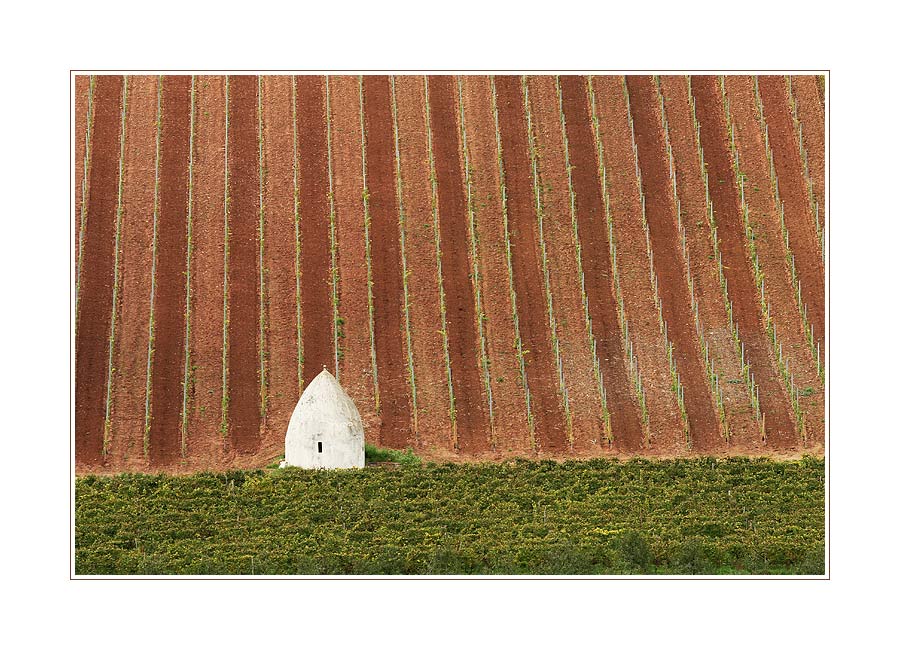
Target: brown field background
point(491, 266)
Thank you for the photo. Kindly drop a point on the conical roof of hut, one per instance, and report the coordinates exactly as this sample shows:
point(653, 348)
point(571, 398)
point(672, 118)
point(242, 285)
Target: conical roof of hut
point(324, 399)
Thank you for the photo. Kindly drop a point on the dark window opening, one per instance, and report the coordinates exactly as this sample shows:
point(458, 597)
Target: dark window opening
point(320, 447)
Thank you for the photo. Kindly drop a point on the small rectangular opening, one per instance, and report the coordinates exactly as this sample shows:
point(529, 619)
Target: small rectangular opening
point(320, 447)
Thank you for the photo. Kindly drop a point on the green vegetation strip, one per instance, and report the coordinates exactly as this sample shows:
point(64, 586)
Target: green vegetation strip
point(117, 282)
point(706, 516)
point(86, 169)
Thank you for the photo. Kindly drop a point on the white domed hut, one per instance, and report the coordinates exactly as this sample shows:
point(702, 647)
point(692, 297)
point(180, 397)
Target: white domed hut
point(325, 431)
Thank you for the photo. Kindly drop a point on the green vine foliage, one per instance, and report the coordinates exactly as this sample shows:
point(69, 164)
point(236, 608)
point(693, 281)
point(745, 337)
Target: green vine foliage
point(599, 516)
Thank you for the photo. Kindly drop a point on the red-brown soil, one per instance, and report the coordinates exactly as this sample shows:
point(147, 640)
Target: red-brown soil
point(565, 282)
point(167, 369)
point(243, 266)
point(742, 428)
point(811, 114)
point(288, 189)
point(510, 418)
point(432, 393)
point(472, 418)
point(96, 290)
point(82, 101)
point(315, 247)
point(669, 262)
point(205, 439)
point(357, 377)
point(534, 325)
point(634, 267)
point(780, 429)
point(390, 348)
point(279, 258)
point(129, 381)
point(760, 198)
point(625, 421)
point(798, 215)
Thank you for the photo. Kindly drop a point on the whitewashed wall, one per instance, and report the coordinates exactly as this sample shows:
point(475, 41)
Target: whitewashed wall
point(325, 415)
